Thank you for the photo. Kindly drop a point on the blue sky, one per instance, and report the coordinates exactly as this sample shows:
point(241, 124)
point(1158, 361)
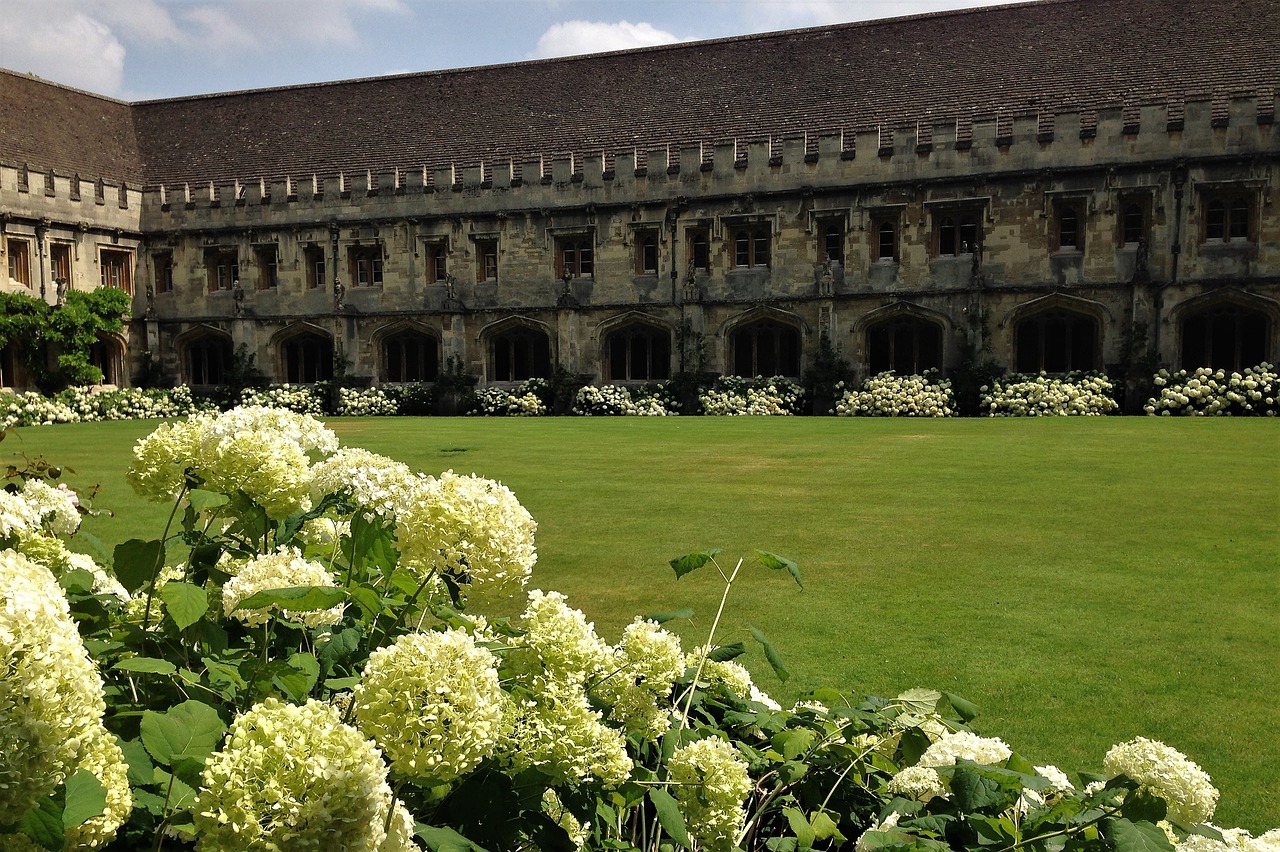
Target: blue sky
point(141, 49)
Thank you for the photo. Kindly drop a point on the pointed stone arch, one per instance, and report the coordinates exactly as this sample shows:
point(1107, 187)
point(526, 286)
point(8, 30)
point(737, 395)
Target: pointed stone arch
point(110, 355)
point(1228, 329)
point(407, 351)
point(764, 341)
point(634, 347)
point(205, 355)
point(1057, 333)
point(903, 337)
point(517, 348)
point(304, 353)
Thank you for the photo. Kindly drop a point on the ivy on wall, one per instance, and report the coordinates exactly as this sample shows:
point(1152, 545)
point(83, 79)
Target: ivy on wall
point(55, 343)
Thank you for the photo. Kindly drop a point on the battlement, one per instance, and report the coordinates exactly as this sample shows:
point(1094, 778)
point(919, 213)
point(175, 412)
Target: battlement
point(985, 144)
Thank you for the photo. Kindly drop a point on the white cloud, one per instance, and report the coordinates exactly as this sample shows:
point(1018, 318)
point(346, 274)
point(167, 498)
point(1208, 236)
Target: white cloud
point(60, 43)
point(570, 38)
point(766, 15)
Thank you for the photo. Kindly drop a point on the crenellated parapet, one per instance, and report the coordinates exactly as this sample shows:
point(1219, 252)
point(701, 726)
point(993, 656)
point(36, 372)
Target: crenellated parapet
point(990, 145)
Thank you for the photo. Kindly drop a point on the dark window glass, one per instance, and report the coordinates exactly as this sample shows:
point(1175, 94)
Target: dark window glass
point(307, 358)
point(907, 346)
point(410, 357)
point(1227, 338)
point(766, 348)
point(519, 354)
point(1057, 342)
point(639, 353)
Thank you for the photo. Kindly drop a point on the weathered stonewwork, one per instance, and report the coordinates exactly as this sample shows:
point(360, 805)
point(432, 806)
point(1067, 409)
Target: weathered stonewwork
point(1055, 185)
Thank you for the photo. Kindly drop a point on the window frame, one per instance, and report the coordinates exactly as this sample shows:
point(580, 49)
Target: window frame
point(1070, 319)
point(59, 249)
point(575, 256)
point(832, 235)
point(647, 242)
point(958, 219)
point(365, 260)
point(486, 259)
point(316, 263)
point(162, 271)
point(437, 252)
point(756, 331)
point(1239, 220)
point(698, 253)
point(752, 245)
point(222, 266)
point(18, 259)
point(410, 348)
point(267, 259)
point(115, 267)
point(655, 349)
point(1067, 233)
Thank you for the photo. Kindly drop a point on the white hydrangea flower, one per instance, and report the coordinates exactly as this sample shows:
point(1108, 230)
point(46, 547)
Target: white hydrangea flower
point(1233, 840)
point(891, 821)
point(558, 641)
point(260, 451)
point(921, 783)
point(56, 507)
point(280, 570)
point(964, 745)
point(645, 665)
point(400, 832)
point(733, 675)
point(433, 704)
point(554, 728)
point(293, 777)
point(1169, 774)
point(471, 528)
point(1056, 777)
point(51, 696)
point(711, 783)
point(377, 483)
point(19, 518)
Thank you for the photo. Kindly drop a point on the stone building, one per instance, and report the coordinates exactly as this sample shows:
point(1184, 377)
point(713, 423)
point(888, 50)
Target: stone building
point(1057, 185)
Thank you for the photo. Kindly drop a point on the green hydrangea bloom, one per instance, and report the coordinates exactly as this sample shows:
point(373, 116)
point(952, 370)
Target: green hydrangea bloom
point(293, 778)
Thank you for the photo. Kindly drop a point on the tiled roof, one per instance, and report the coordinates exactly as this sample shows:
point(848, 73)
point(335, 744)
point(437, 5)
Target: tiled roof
point(1041, 55)
point(55, 127)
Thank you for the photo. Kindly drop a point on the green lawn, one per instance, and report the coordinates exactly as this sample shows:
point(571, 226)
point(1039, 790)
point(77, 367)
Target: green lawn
point(1083, 580)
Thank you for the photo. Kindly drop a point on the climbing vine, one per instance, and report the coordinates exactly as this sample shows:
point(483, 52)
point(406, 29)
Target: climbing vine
point(55, 343)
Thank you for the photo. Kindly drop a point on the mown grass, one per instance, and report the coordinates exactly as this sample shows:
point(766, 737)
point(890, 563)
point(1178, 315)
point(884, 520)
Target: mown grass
point(1082, 580)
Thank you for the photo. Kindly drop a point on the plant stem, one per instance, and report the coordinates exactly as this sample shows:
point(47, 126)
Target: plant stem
point(155, 571)
point(702, 658)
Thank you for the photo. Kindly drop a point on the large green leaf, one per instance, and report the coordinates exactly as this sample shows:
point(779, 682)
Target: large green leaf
point(771, 654)
point(1137, 836)
point(201, 500)
point(140, 766)
point(86, 798)
point(43, 823)
point(186, 604)
point(664, 617)
point(445, 840)
point(793, 742)
point(669, 816)
point(723, 653)
point(136, 562)
point(975, 790)
point(298, 676)
point(295, 598)
point(189, 729)
point(692, 561)
point(780, 563)
point(800, 827)
point(151, 665)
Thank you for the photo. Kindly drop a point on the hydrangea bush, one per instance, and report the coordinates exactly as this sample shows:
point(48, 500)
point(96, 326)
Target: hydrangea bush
point(525, 400)
point(891, 395)
point(368, 402)
point(617, 400)
point(1088, 394)
point(734, 395)
point(1253, 391)
point(310, 669)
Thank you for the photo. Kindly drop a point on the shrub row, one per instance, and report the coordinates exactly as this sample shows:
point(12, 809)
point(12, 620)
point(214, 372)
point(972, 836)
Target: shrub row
point(1251, 392)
